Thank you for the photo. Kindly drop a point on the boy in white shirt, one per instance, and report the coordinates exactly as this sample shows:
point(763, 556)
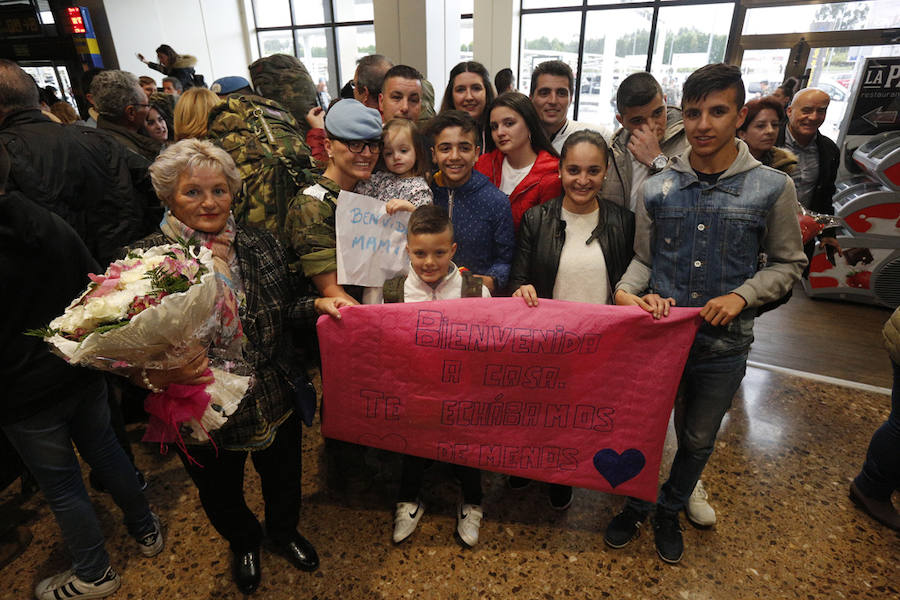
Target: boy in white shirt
point(433, 276)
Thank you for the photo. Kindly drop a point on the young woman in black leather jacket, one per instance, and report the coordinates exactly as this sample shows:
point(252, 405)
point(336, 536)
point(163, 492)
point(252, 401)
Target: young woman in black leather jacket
point(574, 248)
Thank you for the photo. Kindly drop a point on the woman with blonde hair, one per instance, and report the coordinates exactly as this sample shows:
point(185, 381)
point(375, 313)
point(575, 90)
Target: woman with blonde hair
point(192, 113)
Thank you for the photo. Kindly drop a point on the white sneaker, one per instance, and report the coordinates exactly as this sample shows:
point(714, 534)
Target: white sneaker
point(698, 510)
point(468, 522)
point(152, 543)
point(406, 517)
point(68, 585)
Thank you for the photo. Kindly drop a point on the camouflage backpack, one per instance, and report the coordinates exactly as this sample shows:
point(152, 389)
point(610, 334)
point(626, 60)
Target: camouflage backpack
point(284, 79)
point(274, 162)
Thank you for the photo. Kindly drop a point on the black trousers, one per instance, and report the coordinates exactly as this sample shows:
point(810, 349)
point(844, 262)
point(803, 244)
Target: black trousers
point(220, 481)
point(414, 473)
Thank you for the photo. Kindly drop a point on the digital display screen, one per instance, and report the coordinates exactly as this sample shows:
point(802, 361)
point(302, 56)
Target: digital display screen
point(76, 20)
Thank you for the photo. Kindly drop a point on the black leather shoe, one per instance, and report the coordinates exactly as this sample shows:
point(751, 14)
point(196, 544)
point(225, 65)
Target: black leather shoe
point(246, 570)
point(299, 551)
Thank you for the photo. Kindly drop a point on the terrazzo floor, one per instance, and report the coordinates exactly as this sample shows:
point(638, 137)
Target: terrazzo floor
point(778, 479)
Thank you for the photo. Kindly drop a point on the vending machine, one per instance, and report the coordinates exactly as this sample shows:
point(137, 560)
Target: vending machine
point(869, 208)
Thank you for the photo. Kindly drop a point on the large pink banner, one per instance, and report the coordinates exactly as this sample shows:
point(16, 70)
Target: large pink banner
point(569, 393)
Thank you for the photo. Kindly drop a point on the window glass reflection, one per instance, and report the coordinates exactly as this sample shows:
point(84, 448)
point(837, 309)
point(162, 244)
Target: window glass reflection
point(837, 16)
point(615, 47)
point(272, 13)
point(684, 43)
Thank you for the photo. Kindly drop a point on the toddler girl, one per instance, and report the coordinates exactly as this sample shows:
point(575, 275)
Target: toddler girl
point(400, 175)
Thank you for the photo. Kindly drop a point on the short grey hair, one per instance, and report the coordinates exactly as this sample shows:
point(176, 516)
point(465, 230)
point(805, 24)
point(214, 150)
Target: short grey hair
point(186, 156)
point(113, 91)
point(370, 72)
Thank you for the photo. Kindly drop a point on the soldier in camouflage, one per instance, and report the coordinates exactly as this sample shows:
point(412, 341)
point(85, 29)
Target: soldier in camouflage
point(353, 144)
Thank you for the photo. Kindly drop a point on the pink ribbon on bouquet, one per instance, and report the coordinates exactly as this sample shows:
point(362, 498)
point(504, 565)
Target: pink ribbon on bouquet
point(175, 405)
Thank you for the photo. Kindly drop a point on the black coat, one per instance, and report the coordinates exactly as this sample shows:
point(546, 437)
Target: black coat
point(43, 266)
point(829, 160)
point(542, 234)
point(85, 176)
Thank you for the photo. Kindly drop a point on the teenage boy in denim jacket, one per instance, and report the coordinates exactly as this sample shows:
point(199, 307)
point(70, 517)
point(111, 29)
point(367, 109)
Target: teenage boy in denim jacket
point(700, 226)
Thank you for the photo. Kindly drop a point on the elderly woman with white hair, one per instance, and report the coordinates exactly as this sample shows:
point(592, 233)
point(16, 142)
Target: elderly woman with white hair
point(196, 181)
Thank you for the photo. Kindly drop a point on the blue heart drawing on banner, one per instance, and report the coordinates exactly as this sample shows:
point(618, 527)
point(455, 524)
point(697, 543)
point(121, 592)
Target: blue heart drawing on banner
point(618, 468)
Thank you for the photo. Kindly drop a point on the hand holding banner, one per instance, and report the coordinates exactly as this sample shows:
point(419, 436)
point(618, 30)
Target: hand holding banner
point(570, 393)
point(371, 244)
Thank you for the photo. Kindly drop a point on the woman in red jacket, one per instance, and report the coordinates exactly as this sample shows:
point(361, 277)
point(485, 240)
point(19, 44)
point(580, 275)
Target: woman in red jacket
point(520, 160)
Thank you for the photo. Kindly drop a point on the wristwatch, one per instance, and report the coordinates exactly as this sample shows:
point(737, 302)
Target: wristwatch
point(659, 163)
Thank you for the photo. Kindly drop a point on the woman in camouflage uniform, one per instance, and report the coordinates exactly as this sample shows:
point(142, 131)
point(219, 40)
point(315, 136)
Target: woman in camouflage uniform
point(353, 144)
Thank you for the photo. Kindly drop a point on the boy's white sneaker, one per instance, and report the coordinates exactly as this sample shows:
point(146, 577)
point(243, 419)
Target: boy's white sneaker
point(698, 510)
point(406, 517)
point(468, 522)
point(69, 585)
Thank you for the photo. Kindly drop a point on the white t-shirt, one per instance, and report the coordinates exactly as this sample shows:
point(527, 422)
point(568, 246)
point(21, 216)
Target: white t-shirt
point(639, 174)
point(510, 177)
point(582, 275)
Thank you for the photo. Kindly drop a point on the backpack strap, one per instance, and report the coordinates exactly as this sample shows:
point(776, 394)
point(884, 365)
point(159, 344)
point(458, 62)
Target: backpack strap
point(393, 289)
point(260, 127)
point(471, 285)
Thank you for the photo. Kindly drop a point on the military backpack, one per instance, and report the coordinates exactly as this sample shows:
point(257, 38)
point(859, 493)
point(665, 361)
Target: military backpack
point(275, 164)
point(284, 78)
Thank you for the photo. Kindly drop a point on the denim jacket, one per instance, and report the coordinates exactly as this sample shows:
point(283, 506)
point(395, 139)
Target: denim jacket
point(695, 241)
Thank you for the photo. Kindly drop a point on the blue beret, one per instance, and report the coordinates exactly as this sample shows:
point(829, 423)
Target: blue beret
point(352, 120)
point(229, 84)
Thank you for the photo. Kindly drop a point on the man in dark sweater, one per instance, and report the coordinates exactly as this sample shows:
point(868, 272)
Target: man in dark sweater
point(818, 156)
point(79, 173)
point(48, 405)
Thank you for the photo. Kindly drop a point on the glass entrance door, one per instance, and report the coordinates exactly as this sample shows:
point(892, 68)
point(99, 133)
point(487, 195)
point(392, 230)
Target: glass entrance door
point(53, 74)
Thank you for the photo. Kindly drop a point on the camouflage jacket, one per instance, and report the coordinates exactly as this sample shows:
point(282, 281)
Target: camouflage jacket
point(310, 226)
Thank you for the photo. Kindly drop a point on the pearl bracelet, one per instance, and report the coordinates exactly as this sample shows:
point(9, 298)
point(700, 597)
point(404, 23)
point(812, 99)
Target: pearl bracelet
point(148, 384)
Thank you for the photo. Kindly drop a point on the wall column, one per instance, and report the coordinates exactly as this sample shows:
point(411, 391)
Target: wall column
point(496, 35)
point(424, 35)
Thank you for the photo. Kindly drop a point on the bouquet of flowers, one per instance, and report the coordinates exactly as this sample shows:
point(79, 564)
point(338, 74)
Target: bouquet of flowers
point(155, 309)
point(812, 224)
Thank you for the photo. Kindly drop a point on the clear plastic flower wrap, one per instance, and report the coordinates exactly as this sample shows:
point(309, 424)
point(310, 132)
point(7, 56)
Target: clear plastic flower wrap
point(156, 309)
point(812, 224)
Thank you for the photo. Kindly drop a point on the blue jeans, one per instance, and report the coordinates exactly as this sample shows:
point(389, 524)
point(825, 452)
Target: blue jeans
point(880, 474)
point(707, 388)
point(44, 441)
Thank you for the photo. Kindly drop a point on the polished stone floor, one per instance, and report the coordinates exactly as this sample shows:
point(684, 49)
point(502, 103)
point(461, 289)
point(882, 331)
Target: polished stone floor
point(779, 478)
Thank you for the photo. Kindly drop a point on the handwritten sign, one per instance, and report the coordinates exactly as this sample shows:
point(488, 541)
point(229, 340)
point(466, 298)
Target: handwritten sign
point(569, 393)
point(371, 244)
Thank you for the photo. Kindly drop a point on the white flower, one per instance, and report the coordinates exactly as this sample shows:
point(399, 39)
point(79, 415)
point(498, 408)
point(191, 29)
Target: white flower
point(70, 320)
point(106, 308)
point(132, 275)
